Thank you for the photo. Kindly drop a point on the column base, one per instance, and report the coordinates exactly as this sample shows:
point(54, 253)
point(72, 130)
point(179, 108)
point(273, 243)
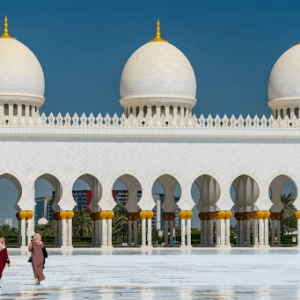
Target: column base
point(23, 247)
point(144, 246)
point(65, 247)
point(149, 246)
point(106, 247)
point(264, 246)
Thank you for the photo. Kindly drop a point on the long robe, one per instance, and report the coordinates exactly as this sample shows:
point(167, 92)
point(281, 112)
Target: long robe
point(3, 260)
point(37, 260)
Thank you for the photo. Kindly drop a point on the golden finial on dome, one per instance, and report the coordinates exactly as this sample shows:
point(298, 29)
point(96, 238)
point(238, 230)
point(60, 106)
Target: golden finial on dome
point(158, 38)
point(5, 31)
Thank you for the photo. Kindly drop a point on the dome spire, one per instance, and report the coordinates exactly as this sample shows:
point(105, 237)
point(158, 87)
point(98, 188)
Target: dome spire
point(5, 31)
point(158, 38)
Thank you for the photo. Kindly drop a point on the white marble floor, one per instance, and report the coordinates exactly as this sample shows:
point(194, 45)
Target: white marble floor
point(157, 274)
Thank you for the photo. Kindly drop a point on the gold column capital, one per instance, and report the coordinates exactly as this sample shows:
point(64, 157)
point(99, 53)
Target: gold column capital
point(110, 214)
point(189, 214)
point(182, 214)
point(150, 214)
point(228, 214)
point(260, 214)
point(143, 214)
point(267, 214)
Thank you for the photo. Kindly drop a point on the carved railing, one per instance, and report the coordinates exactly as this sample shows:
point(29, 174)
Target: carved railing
point(151, 122)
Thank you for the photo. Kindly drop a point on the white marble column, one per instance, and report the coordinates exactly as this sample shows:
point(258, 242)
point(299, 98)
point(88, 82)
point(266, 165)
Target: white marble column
point(23, 233)
point(237, 232)
point(278, 232)
point(135, 232)
point(143, 233)
point(19, 232)
point(255, 233)
point(189, 233)
point(261, 232)
point(149, 236)
point(28, 232)
point(166, 232)
point(298, 232)
point(64, 232)
point(227, 232)
point(266, 233)
point(273, 232)
point(171, 232)
point(129, 232)
point(248, 244)
point(182, 232)
point(104, 233)
point(69, 233)
point(241, 232)
point(211, 233)
point(109, 233)
point(205, 233)
point(218, 233)
point(222, 232)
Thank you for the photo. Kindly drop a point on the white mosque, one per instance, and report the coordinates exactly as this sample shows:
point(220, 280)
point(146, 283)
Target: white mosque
point(158, 138)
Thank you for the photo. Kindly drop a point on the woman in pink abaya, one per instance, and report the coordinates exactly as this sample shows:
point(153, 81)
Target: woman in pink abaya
point(3, 257)
point(37, 257)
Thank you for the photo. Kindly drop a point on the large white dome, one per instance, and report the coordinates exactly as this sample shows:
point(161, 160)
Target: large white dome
point(21, 75)
point(158, 74)
point(284, 82)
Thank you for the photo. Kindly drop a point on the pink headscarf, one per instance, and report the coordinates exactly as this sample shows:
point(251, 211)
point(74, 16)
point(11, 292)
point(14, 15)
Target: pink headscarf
point(2, 241)
point(37, 239)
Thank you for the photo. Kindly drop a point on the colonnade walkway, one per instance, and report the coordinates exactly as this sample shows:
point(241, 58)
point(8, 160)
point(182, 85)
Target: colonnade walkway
point(215, 229)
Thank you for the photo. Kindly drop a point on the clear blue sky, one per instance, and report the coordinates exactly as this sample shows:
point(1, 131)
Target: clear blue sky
point(84, 45)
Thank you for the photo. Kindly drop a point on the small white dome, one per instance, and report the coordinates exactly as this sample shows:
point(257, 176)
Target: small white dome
point(21, 75)
point(42, 221)
point(157, 74)
point(284, 82)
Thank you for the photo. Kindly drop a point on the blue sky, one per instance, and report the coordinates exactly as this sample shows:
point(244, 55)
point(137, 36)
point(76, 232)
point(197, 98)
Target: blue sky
point(84, 45)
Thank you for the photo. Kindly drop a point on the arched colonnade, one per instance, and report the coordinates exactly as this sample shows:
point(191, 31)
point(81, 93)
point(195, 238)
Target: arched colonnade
point(215, 223)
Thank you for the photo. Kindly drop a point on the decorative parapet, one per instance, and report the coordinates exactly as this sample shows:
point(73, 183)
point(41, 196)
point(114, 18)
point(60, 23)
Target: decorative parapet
point(147, 122)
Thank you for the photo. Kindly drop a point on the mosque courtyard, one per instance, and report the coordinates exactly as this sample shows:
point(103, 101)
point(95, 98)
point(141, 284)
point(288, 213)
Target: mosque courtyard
point(159, 273)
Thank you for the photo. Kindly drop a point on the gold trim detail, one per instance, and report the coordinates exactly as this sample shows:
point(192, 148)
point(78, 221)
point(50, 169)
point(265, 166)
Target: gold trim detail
point(158, 38)
point(5, 31)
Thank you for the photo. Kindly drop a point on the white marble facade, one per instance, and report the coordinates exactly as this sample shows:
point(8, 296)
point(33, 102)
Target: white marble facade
point(157, 138)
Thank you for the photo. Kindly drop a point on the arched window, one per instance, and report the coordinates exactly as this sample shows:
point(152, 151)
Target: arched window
point(179, 110)
point(153, 110)
point(131, 110)
point(137, 111)
point(296, 110)
point(288, 111)
point(6, 111)
point(15, 110)
point(30, 111)
point(276, 114)
point(171, 111)
point(184, 113)
point(145, 111)
point(126, 112)
point(23, 110)
point(35, 109)
point(281, 113)
point(162, 111)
